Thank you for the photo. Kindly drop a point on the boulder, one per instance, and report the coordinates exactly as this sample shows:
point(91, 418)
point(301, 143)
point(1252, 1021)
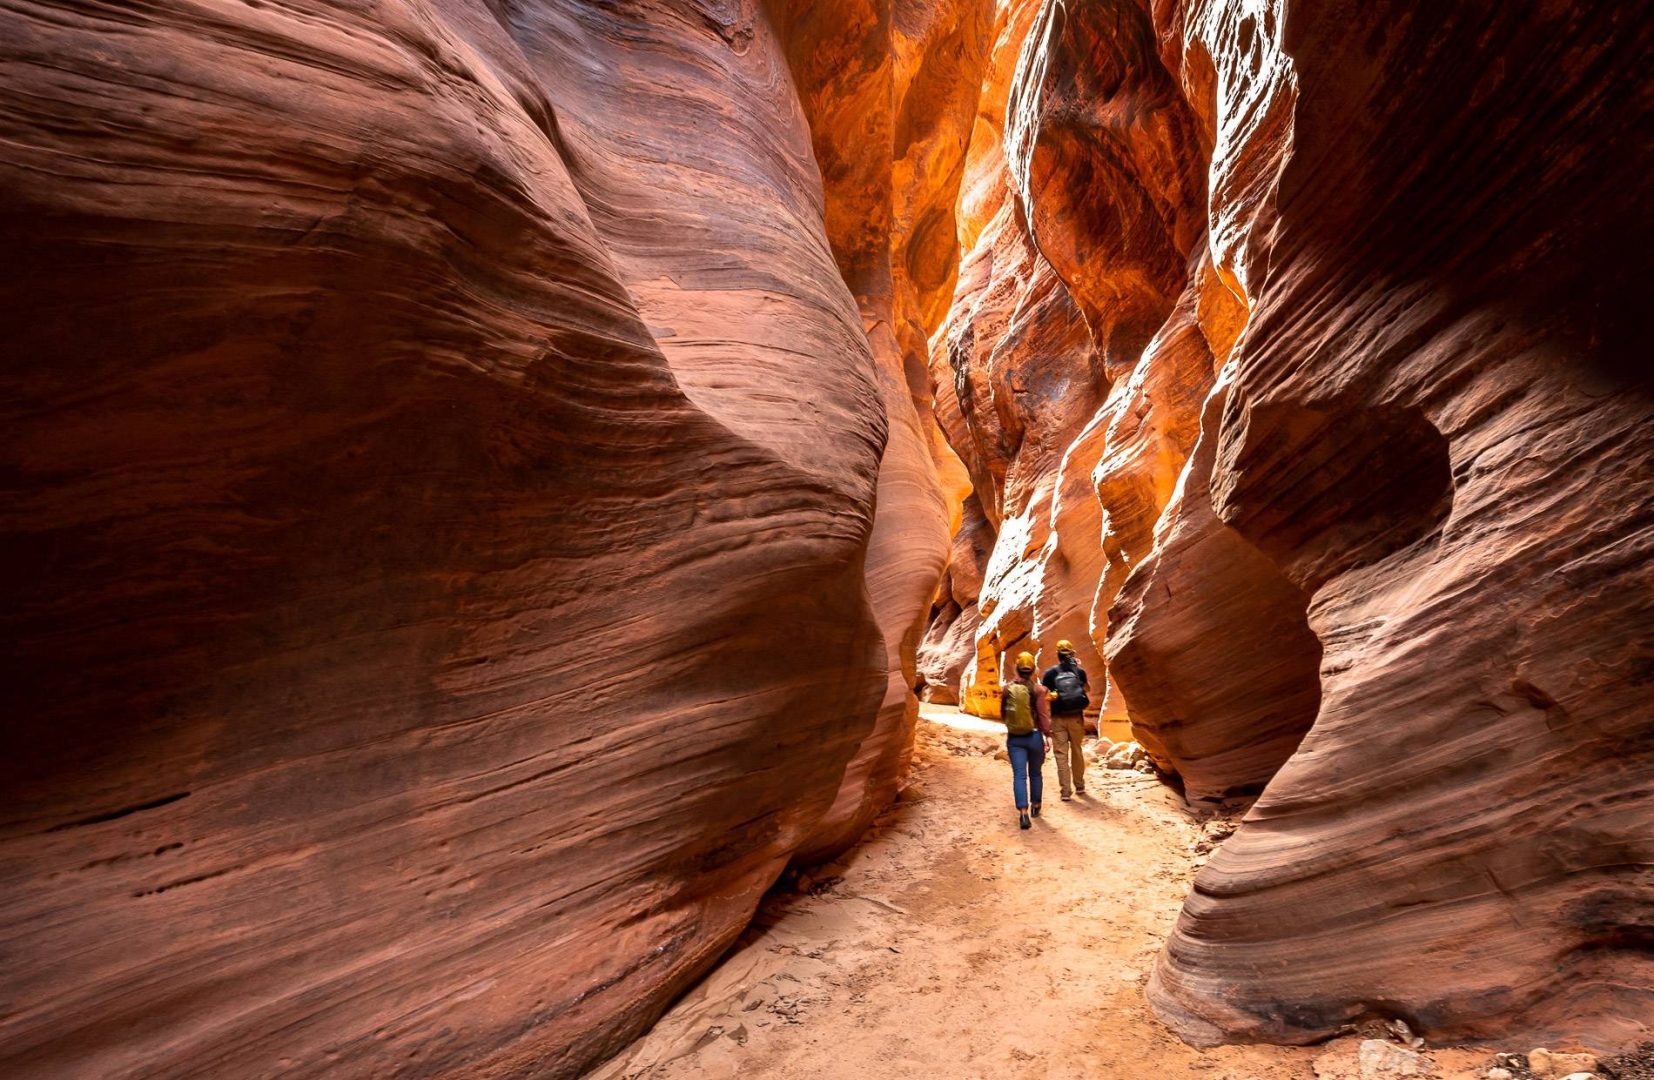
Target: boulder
point(1550, 1064)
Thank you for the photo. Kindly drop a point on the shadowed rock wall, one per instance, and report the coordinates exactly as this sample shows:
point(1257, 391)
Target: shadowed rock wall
point(890, 91)
point(1373, 454)
point(1437, 430)
point(443, 578)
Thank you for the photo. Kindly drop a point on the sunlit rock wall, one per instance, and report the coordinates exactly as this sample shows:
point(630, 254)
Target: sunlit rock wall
point(890, 92)
point(1017, 377)
point(1438, 428)
point(444, 583)
point(1370, 434)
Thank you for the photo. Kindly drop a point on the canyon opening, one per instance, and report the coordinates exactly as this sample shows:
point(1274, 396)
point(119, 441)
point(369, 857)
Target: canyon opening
point(522, 515)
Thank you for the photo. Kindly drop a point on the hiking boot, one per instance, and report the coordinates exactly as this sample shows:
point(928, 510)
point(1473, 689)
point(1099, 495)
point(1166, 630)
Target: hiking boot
point(1033, 811)
point(1024, 822)
point(1066, 796)
point(1079, 790)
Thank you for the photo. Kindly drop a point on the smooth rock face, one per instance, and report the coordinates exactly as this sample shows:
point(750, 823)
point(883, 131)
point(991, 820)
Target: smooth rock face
point(1210, 645)
point(1017, 379)
point(1372, 439)
point(1435, 430)
point(890, 94)
point(475, 501)
point(444, 583)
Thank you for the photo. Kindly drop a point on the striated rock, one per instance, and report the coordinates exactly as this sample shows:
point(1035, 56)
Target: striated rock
point(445, 588)
point(1147, 428)
point(1434, 429)
point(947, 655)
point(1017, 379)
point(890, 93)
point(1210, 644)
point(1105, 158)
point(478, 495)
point(1371, 443)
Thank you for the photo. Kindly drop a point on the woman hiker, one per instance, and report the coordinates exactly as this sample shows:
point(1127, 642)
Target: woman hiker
point(1027, 716)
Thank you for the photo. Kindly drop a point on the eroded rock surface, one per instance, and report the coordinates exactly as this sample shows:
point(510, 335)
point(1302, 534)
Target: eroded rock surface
point(1373, 452)
point(1436, 431)
point(444, 582)
point(476, 498)
point(890, 92)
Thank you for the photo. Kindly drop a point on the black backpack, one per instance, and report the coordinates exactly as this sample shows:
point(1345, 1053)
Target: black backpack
point(1071, 695)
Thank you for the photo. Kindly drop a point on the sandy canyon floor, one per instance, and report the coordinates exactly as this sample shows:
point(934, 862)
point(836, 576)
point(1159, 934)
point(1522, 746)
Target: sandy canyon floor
point(951, 944)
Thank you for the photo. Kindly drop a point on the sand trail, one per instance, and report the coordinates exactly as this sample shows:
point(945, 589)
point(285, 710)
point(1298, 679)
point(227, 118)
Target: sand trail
point(952, 944)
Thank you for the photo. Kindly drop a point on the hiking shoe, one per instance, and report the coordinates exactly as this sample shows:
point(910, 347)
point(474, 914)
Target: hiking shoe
point(1066, 796)
point(1033, 811)
point(1025, 823)
point(1079, 791)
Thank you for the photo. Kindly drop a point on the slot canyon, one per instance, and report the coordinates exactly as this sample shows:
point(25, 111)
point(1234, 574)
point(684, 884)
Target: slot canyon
point(492, 485)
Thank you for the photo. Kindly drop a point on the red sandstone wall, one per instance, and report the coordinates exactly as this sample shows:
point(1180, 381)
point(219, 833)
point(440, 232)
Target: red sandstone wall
point(1438, 428)
point(445, 583)
point(1374, 465)
point(475, 499)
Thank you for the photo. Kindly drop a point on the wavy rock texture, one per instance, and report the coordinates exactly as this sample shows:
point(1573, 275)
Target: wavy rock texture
point(946, 657)
point(444, 587)
point(474, 501)
point(1017, 377)
point(1436, 429)
point(1210, 645)
point(890, 93)
point(1375, 457)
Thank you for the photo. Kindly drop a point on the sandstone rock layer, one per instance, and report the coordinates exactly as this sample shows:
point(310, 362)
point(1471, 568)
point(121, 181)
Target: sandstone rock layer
point(444, 580)
point(1435, 429)
point(1359, 393)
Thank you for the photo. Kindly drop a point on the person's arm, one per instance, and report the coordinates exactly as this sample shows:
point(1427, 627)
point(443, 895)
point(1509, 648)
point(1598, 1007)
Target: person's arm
point(1042, 714)
point(1085, 682)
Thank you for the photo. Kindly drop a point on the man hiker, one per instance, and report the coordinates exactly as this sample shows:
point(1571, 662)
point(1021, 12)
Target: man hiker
point(1027, 717)
point(1066, 684)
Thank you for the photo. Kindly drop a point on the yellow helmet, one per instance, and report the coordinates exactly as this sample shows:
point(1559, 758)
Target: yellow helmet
point(1065, 646)
point(1025, 661)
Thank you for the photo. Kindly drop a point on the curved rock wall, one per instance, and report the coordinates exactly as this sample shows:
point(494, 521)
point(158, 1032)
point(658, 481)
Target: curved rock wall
point(1373, 463)
point(1017, 376)
point(1436, 429)
point(475, 499)
point(890, 93)
point(444, 581)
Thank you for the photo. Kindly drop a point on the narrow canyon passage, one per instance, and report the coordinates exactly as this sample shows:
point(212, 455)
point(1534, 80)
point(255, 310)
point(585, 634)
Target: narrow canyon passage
point(952, 944)
point(489, 486)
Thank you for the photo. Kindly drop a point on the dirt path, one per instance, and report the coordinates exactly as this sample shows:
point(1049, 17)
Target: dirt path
point(951, 944)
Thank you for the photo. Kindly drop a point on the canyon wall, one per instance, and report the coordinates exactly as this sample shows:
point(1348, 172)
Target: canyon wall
point(889, 92)
point(1437, 427)
point(462, 526)
point(1369, 438)
point(477, 497)
point(1017, 375)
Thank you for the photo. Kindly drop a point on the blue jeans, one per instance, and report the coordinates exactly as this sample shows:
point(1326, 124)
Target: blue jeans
point(1027, 754)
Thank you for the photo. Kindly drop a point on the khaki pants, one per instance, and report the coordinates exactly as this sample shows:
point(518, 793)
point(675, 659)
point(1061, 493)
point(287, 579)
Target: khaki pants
point(1068, 745)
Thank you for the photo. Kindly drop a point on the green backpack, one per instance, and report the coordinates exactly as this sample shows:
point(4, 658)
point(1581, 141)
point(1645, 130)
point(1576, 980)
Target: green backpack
point(1017, 709)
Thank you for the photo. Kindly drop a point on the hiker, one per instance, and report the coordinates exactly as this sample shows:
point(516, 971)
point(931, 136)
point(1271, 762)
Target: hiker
point(1027, 717)
point(1066, 683)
